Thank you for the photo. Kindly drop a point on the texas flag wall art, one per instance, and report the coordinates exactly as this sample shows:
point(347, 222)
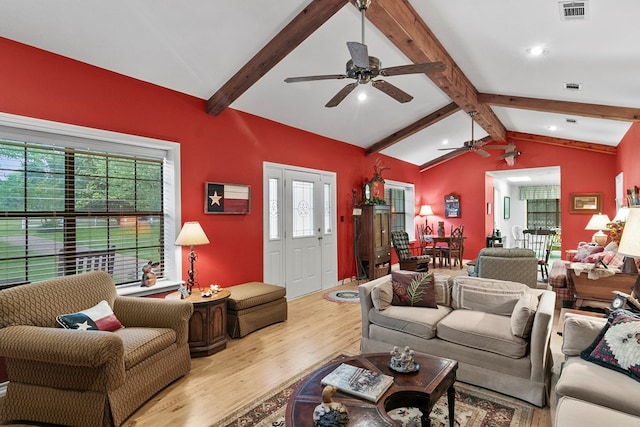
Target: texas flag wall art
point(226, 198)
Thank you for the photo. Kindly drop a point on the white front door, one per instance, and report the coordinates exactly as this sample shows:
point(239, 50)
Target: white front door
point(300, 245)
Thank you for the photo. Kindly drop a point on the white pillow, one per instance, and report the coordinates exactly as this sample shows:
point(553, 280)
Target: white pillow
point(382, 295)
point(523, 315)
point(486, 295)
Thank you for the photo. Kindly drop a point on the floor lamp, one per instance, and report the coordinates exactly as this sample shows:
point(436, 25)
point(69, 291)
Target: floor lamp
point(191, 235)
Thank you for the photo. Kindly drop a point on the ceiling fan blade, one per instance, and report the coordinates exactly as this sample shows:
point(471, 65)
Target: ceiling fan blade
point(482, 152)
point(337, 99)
point(359, 54)
point(391, 90)
point(447, 149)
point(310, 78)
point(426, 67)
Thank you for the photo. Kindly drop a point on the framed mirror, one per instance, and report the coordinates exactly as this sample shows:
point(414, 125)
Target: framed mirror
point(452, 206)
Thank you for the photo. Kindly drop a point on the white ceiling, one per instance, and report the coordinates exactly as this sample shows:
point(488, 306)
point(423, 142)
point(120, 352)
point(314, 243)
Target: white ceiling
point(195, 47)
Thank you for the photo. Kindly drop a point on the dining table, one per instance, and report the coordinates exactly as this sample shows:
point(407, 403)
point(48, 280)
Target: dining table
point(431, 241)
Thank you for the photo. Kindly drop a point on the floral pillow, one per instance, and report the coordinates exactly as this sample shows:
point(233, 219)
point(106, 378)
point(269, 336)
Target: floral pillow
point(413, 289)
point(584, 251)
point(617, 346)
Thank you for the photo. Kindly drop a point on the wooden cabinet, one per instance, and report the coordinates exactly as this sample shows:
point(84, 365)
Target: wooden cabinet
point(208, 323)
point(601, 289)
point(374, 240)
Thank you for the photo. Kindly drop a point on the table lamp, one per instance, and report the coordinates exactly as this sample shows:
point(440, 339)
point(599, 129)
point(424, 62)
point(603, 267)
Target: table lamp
point(425, 211)
point(598, 222)
point(630, 244)
point(191, 235)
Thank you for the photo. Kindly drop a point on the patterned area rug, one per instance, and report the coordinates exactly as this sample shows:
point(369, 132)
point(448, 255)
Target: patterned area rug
point(348, 296)
point(475, 407)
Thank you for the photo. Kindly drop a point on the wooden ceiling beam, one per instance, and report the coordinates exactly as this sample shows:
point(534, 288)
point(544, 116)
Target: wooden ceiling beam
point(589, 146)
point(414, 127)
point(302, 26)
point(563, 107)
point(402, 25)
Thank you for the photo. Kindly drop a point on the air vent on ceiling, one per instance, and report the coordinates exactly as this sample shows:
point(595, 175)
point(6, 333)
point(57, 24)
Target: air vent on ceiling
point(573, 86)
point(572, 121)
point(573, 10)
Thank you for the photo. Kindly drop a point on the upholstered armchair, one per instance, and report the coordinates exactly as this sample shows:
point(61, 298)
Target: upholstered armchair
point(513, 264)
point(81, 377)
point(408, 261)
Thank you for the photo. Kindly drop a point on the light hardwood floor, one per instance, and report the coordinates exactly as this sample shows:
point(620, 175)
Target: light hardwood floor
point(220, 384)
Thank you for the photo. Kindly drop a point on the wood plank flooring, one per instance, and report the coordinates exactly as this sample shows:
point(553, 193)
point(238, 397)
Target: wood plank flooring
point(251, 366)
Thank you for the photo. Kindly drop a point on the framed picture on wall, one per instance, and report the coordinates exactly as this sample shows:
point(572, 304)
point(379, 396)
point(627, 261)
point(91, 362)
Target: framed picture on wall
point(222, 198)
point(452, 206)
point(585, 202)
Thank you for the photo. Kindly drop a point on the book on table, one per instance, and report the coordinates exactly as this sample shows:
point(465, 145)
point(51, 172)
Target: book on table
point(359, 382)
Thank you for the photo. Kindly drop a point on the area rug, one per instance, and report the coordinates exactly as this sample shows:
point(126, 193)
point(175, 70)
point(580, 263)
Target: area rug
point(345, 296)
point(474, 407)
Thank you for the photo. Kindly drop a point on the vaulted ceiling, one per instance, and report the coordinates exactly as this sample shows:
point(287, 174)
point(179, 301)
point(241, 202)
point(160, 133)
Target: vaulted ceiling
point(582, 91)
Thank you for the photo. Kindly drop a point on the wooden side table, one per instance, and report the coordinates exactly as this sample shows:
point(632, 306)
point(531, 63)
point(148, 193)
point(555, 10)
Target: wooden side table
point(208, 323)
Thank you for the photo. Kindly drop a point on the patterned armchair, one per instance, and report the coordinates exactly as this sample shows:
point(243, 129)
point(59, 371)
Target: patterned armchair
point(408, 261)
point(80, 377)
point(514, 264)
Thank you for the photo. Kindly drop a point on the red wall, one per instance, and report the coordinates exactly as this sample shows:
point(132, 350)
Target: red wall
point(581, 171)
point(228, 148)
point(628, 159)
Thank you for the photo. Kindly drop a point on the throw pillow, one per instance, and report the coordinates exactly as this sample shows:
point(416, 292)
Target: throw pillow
point(97, 318)
point(381, 295)
point(584, 252)
point(413, 289)
point(486, 295)
point(443, 284)
point(523, 315)
point(617, 346)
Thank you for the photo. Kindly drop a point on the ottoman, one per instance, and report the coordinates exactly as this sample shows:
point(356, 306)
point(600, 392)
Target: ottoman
point(254, 305)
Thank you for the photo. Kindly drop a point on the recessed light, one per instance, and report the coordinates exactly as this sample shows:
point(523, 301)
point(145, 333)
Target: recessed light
point(445, 142)
point(536, 51)
point(362, 96)
point(552, 128)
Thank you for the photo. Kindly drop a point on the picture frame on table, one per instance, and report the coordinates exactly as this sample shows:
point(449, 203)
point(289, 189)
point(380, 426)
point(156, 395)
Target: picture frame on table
point(585, 203)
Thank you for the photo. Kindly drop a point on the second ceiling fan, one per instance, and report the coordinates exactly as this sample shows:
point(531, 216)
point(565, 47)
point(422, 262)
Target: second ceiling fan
point(472, 144)
point(364, 68)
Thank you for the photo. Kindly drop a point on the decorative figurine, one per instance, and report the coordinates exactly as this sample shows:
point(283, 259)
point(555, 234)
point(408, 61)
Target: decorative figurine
point(148, 275)
point(403, 361)
point(330, 413)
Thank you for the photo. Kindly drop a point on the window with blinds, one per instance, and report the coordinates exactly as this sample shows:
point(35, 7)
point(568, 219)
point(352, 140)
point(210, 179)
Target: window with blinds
point(395, 198)
point(63, 208)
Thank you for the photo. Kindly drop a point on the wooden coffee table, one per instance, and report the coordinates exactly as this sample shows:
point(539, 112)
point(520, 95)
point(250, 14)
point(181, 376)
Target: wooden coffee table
point(420, 389)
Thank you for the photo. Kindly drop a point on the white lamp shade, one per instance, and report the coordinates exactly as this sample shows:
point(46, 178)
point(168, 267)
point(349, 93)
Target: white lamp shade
point(191, 234)
point(622, 214)
point(598, 222)
point(425, 210)
point(630, 241)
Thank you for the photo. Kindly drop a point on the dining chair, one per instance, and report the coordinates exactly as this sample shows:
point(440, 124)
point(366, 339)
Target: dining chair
point(452, 254)
point(541, 242)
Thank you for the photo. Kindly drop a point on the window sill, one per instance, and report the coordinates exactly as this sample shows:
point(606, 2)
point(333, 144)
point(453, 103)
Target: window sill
point(135, 290)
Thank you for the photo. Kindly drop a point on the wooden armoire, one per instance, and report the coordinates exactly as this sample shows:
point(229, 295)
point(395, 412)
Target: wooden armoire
point(374, 240)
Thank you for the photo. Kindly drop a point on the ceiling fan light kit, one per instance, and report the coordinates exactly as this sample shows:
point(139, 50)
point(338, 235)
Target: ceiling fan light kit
point(364, 68)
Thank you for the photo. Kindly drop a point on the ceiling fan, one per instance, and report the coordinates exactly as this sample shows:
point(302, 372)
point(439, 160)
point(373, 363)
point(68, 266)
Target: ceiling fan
point(472, 144)
point(365, 68)
point(511, 153)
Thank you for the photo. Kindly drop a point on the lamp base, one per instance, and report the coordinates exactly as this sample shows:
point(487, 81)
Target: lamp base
point(600, 238)
point(629, 266)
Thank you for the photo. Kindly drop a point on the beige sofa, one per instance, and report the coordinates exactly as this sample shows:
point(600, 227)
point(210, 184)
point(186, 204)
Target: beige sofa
point(87, 378)
point(589, 394)
point(483, 342)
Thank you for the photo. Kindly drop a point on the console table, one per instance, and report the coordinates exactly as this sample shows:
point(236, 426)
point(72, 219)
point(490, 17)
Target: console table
point(208, 323)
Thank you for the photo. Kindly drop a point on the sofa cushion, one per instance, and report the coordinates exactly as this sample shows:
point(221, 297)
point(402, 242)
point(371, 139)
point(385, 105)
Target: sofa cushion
point(574, 412)
point(443, 284)
point(413, 289)
point(617, 346)
point(419, 321)
point(142, 343)
point(100, 317)
point(484, 331)
point(486, 295)
point(523, 315)
point(592, 383)
point(382, 294)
